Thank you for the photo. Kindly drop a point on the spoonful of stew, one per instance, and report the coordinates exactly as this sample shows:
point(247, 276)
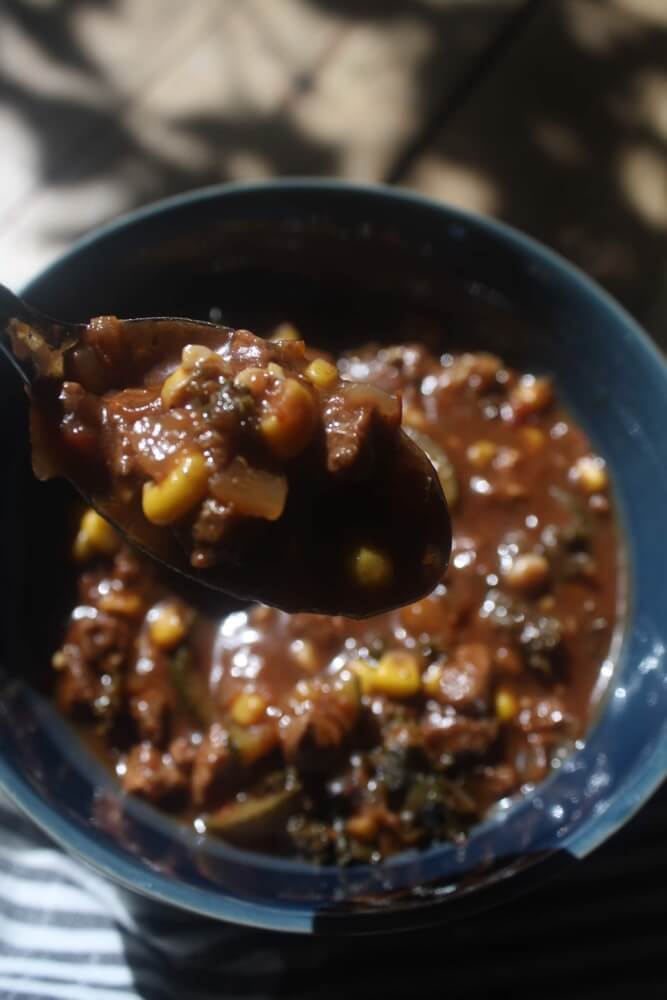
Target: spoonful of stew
point(244, 463)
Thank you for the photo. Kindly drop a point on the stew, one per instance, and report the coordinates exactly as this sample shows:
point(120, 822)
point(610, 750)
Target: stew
point(248, 463)
point(345, 741)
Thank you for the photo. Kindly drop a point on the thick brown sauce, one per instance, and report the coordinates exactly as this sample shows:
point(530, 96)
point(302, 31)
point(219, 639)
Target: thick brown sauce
point(492, 703)
point(245, 463)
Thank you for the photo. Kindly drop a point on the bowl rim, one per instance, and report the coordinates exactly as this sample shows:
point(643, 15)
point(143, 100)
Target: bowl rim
point(129, 872)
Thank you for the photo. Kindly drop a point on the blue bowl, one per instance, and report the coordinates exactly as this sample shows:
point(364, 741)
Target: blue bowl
point(386, 263)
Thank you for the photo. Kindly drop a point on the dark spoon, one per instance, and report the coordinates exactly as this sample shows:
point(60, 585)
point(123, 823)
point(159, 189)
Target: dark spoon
point(270, 575)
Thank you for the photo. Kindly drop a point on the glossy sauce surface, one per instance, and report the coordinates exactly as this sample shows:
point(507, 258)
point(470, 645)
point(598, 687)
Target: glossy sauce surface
point(246, 463)
point(343, 740)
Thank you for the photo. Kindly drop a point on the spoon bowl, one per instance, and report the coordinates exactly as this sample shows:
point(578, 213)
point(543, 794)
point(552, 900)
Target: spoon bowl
point(304, 560)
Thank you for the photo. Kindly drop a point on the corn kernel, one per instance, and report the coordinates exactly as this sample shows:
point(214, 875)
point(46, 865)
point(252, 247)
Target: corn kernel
point(192, 354)
point(276, 369)
point(532, 439)
point(397, 674)
point(527, 573)
point(95, 537)
point(183, 488)
point(415, 418)
point(124, 603)
point(290, 426)
point(365, 674)
point(590, 473)
point(321, 373)
point(285, 331)
point(248, 708)
point(372, 568)
point(431, 680)
point(363, 827)
point(507, 706)
point(481, 453)
point(172, 391)
point(305, 654)
point(166, 625)
point(531, 395)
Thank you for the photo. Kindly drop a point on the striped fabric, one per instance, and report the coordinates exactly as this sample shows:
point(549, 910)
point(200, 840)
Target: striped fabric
point(598, 933)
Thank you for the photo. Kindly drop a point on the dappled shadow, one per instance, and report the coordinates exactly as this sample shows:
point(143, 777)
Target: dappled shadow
point(89, 137)
point(569, 141)
point(546, 115)
point(51, 27)
point(565, 142)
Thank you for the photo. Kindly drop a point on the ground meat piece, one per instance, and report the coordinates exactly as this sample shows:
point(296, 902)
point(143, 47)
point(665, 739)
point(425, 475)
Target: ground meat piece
point(103, 640)
point(213, 769)
point(538, 636)
point(488, 784)
point(150, 710)
point(154, 776)
point(126, 566)
point(313, 738)
point(211, 522)
point(77, 686)
point(249, 351)
point(465, 683)
point(540, 642)
point(411, 361)
point(449, 735)
point(351, 420)
point(543, 714)
point(324, 631)
point(184, 750)
point(345, 433)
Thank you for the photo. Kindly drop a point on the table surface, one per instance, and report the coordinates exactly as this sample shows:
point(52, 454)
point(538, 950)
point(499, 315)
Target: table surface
point(550, 114)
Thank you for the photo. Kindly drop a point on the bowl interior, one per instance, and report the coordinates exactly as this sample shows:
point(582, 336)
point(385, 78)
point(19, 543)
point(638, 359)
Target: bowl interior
point(347, 266)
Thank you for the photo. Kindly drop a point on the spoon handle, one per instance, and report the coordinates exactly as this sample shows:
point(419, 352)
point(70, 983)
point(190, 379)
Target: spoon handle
point(12, 307)
point(44, 349)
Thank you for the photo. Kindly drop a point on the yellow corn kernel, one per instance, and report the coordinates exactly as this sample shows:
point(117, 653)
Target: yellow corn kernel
point(481, 453)
point(431, 680)
point(95, 537)
point(172, 391)
point(397, 674)
point(248, 708)
point(192, 354)
point(365, 674)
point(532, 439)
point(363, 826)
point(183, 488)
point(167, 625)
point(507, 706)
point(527, 573)
point(372, 568)
point(305, 654)
point(276, 369)
point(415, 418)
point(285, 331)
point(531, 395)
point(321, 373)
point(289, 428)
point(590, 473)
point(124, 603)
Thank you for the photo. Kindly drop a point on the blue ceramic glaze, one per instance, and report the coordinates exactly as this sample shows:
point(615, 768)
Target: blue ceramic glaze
point(345, 248)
